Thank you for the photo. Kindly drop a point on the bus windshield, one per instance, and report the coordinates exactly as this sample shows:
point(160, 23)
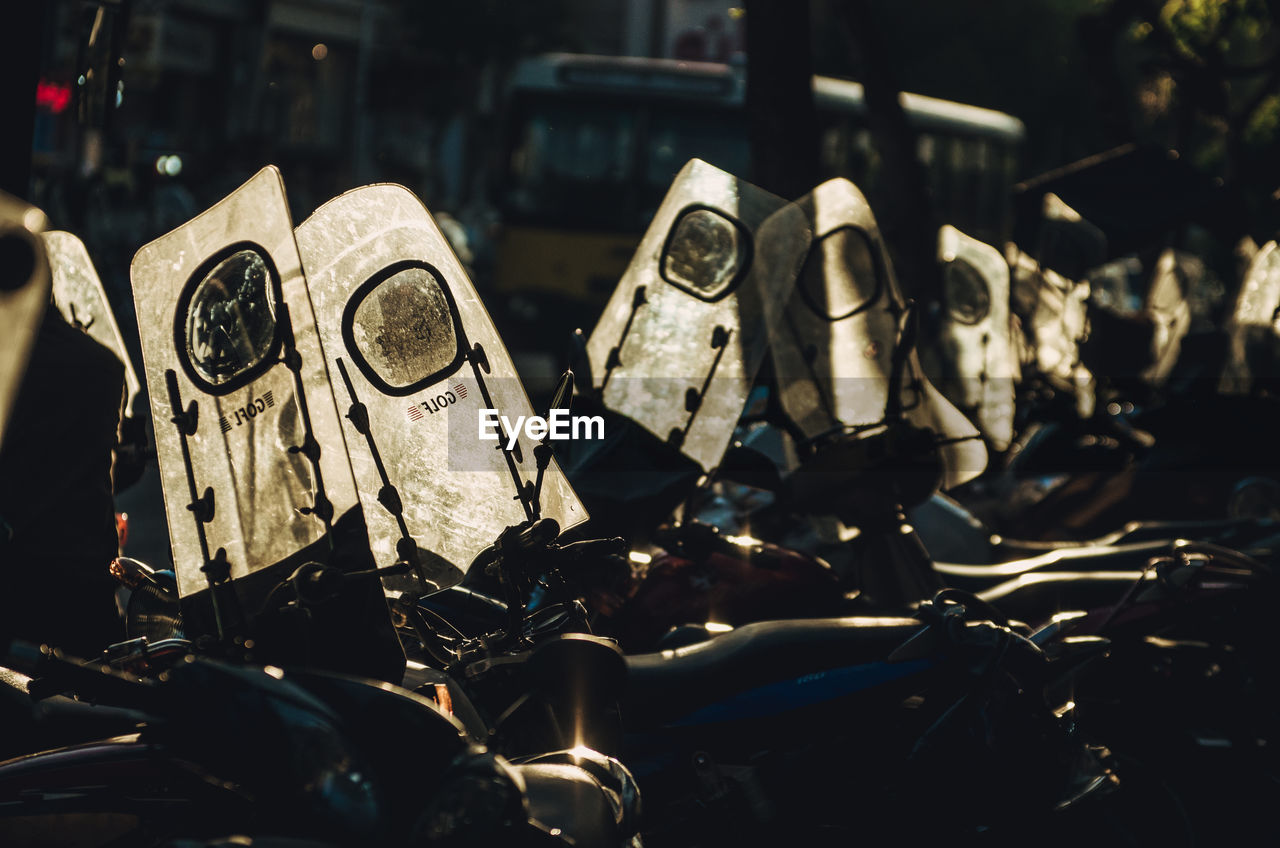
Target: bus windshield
point(592, 143)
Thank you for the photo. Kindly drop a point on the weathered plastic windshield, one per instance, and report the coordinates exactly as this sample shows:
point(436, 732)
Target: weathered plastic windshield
point(834, 345)
point(1170, 312)
point(410, 346)
point(1054, 308)
point(80, 297)
point(971, 357)
point(1255, 326)
point(683, 335)
point(267, 467)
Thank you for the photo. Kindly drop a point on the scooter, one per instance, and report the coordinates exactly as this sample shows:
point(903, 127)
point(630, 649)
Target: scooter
point(299, 599)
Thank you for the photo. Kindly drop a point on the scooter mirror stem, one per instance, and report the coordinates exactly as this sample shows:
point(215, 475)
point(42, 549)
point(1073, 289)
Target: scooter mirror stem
point(901, 351)
point(542, 454)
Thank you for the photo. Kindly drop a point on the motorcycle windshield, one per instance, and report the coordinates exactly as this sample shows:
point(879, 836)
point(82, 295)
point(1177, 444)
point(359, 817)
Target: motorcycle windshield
point(411, 347)
point(228, 334)
point(1255, 326)
point(24, 294)
point(1054, 310)
point(80, 297)
point(1170, 315)
point(971, 357)
point(681, 339)
point(834, 343)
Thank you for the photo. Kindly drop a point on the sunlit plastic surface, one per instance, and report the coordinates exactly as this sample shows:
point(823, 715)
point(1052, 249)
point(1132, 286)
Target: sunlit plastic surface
point(971, 359)
point(80, 297)
point(684, 333)
point(1170, 313)
point(834, 372)
point(1255, 325)
point(1054, 310)
point(212, 279)
point(843, 254)
point(398, 318)
point(24, 294)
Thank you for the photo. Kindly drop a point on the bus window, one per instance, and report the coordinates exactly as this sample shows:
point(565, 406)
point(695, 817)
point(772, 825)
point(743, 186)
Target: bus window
point(571, 159)
point(593, 143)
point(676, 136)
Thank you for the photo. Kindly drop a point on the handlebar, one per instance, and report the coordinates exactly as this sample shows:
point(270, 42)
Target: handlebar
point(55, 673)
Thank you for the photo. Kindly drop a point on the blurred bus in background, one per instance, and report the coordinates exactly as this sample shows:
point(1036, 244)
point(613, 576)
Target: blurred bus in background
point(591, 144)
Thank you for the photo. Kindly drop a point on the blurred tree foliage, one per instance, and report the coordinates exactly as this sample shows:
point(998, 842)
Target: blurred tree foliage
point(1198, 76)
point(1209, 77)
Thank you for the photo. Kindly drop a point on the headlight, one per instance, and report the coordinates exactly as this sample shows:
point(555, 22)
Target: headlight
point(707, 253)
point(230, 319)
point(403, 329)
point(967, 297)
point(840, 276)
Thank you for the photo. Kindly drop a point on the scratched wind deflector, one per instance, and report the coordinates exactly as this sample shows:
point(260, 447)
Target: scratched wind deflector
point(971, 358)
point(247, 435)
point(80, 297)
point(1254, 356)
point(834, 344)
point(683, 335)
point(414, 357)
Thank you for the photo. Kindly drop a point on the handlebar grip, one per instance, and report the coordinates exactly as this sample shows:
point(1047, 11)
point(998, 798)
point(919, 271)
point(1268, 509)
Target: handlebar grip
point(594, 548)
point(54, 673)
point(537, 534)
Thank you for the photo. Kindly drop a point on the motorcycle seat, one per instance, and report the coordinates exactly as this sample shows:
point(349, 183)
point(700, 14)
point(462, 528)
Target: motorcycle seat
point(673, 686)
